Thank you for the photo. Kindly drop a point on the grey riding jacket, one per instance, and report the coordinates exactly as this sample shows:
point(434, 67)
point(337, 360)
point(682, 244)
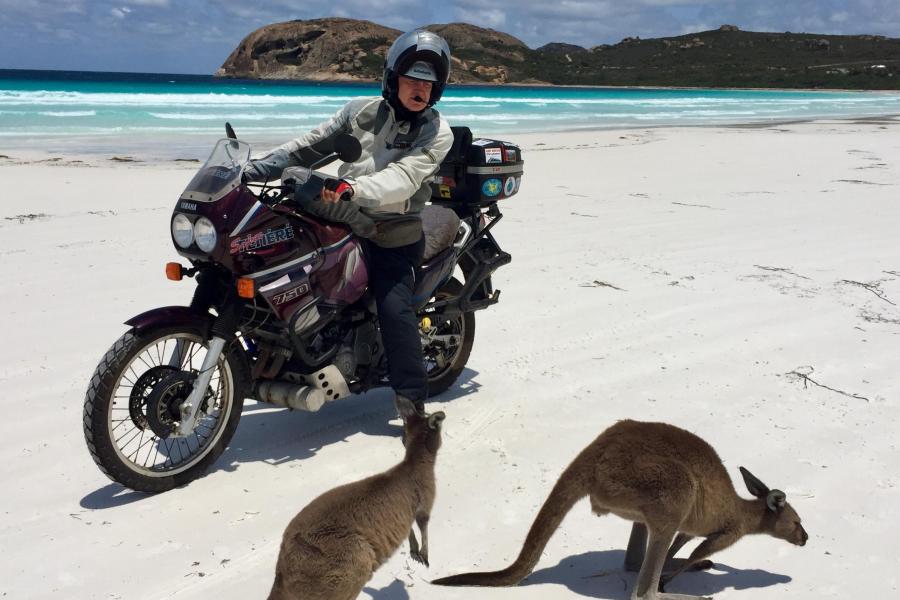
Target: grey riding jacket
point(392, 175)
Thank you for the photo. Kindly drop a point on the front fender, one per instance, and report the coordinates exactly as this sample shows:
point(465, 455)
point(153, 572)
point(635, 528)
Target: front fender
point(185, 316)
point(168, 316)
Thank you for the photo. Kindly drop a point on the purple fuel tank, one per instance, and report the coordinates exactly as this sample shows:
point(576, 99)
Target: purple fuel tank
point(295, 259)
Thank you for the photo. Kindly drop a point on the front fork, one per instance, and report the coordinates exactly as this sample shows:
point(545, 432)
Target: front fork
point(221, 332)
point(190, 408)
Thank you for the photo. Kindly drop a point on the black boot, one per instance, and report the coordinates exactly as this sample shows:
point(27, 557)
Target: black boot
point(400, 399)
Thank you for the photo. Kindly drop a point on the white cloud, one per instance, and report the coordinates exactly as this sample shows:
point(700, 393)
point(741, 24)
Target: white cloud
point(99, 25)
point(695, 27)
point(493, 18)
point(42, 7)
point(161, 28)
point(840, 17)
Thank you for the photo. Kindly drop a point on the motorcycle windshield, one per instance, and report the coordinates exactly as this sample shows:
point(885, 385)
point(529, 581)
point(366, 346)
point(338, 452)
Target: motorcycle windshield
point(221, 173)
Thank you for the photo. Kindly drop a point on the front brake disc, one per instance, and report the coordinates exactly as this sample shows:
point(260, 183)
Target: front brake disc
point(141, 391)
point(164, 403)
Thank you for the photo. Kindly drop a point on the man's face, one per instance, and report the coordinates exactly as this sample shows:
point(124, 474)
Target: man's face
point(414, 93)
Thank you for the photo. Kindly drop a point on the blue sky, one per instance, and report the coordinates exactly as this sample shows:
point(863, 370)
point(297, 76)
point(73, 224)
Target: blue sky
point(195, 36)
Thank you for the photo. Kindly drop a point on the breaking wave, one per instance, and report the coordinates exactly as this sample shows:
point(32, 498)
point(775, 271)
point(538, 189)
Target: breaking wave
point(141, 114)
point(69, 113)
point(241, 116)
point(44, 97)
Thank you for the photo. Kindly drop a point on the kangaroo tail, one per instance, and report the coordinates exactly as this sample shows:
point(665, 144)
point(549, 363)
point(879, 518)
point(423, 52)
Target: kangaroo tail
point(568, 490)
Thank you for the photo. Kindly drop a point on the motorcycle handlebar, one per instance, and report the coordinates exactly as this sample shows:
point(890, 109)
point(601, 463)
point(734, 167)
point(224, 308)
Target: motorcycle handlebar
point(289, 189)
point(346, 148)
point(325, 160)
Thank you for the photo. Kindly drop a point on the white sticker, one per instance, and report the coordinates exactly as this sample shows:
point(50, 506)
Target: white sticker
point(493, 155)
point(482, 142)
point(509, 187)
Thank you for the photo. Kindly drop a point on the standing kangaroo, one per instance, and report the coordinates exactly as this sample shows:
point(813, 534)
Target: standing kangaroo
point(665, 478)
point(334, 545)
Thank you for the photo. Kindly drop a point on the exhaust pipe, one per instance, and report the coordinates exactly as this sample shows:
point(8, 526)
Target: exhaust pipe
point(290, 395)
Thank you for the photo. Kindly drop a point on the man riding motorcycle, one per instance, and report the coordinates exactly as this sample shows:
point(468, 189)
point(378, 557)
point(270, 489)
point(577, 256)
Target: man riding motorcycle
point(403, 139)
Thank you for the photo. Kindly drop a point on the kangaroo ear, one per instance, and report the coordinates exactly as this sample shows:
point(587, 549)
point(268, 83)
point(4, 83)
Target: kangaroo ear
point(775, 499)
point(435, 420)
point(754, 485)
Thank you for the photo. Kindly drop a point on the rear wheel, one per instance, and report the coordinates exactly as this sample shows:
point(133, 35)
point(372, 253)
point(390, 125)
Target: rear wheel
point(447, 345)
point(131, 408)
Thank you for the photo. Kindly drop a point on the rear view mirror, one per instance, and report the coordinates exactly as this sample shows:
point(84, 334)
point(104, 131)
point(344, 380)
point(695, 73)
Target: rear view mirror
point(229, 132)
point(347, 148)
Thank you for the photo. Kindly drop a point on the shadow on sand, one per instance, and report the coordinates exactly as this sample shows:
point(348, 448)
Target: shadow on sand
point(600, 575)
point(395, 591)
point(274, 435)
point(111, 496)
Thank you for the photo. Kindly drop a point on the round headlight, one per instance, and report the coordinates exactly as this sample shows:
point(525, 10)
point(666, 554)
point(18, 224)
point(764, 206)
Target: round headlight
point(205, 234)
point(182, 231)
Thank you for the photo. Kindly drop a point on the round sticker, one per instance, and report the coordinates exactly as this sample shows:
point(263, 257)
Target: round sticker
point(491, 187)
point(509, 188)
point(518, 183)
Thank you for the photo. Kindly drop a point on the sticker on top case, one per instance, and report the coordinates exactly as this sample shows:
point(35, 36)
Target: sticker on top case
point(491, 187)
point(493, 155)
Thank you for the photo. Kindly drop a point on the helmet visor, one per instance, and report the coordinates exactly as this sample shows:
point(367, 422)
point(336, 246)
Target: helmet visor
point(421, 70)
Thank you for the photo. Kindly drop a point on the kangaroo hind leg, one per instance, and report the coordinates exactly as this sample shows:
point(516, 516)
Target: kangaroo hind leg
point(637, 547)
point(646, 587)
point(683, 564)
point(709, 546)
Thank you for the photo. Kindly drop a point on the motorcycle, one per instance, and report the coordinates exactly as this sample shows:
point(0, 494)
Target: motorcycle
point(281, 314)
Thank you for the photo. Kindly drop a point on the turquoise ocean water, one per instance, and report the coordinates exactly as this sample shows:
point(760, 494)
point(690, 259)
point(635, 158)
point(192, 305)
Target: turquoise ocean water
point(180, 115)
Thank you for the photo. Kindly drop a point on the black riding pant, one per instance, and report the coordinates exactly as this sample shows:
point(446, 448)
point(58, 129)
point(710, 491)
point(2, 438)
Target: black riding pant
point(392, 273)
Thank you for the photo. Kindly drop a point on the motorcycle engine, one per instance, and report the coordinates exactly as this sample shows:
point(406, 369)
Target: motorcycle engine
point(358, 348)
point(345, 361)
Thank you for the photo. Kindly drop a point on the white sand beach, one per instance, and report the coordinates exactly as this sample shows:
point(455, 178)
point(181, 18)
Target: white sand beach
point(740, 282)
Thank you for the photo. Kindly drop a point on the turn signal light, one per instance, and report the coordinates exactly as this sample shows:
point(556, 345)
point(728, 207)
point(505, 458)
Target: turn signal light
point(246, 288)
point(174, 271)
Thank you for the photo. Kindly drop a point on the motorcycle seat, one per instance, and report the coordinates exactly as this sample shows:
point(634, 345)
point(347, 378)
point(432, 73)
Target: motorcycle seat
point(440, 226)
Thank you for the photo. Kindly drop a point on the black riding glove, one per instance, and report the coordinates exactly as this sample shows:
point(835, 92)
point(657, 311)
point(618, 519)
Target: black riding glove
point(339, 212)
point(340, 186)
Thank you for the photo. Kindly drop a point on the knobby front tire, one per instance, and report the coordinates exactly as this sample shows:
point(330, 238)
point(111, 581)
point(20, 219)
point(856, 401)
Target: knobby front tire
point(117, 430)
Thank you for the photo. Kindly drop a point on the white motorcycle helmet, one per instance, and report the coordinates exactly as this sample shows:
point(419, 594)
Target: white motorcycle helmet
point(418, 54)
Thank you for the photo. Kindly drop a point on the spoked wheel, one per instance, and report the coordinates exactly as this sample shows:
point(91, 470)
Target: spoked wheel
point(132, 408)
point(447, 345)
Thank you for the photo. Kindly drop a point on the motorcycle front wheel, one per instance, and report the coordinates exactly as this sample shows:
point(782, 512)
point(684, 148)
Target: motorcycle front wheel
point(131, 408)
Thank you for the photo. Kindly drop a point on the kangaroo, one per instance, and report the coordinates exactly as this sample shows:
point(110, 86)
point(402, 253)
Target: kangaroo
point(665, 478)
point(334, 545)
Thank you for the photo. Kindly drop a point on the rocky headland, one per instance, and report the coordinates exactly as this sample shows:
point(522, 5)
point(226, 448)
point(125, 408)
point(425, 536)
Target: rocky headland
point(338, 49)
